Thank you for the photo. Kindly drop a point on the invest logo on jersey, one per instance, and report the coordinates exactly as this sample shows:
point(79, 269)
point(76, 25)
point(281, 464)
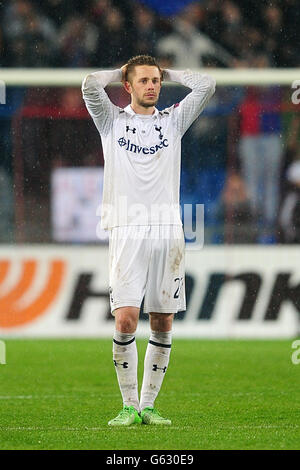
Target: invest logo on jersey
point(128, 145)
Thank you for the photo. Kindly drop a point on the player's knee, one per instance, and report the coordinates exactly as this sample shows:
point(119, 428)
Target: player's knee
point(126, 325)
point(161, 321)
point(126, 320)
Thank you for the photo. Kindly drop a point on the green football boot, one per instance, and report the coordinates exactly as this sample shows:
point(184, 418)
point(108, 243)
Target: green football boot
point(127, 416)
point(152, 416)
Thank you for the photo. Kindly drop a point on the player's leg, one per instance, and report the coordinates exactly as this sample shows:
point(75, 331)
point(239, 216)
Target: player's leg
point(128, 270)
point(155, 366)
point(165, 296)
point(126, 360)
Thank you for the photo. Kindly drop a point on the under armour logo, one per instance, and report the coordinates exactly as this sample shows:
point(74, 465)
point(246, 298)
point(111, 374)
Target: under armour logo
point(155, 368)
point(158, 129)
point(123, 364)
point(132, 130)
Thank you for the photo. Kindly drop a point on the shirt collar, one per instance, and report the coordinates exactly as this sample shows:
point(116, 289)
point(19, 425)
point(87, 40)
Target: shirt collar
point(130, 111)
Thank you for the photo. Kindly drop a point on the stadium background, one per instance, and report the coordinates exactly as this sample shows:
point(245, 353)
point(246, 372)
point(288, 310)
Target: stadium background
point(233, 378)
point(240, 159)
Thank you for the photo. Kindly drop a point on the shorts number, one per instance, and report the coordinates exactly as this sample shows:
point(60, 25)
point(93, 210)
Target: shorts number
point(180, 282)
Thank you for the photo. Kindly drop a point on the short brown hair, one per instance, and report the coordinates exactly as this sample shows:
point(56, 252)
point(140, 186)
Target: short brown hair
point(141, 60)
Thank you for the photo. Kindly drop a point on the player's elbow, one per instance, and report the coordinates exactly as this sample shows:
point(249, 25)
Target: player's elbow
point(210, 84)
point(87, 84)
point(206, 85)
point(84, 86)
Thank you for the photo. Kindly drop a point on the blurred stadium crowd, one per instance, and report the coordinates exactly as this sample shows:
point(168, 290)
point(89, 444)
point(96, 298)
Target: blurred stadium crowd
point(241, 159)
point(104, 33)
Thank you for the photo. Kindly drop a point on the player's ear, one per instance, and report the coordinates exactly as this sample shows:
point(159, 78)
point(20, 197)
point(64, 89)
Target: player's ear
point(127, 86)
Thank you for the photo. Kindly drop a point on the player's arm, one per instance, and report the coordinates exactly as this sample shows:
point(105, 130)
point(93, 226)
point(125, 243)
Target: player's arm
point(202, 86)
point(97, 102)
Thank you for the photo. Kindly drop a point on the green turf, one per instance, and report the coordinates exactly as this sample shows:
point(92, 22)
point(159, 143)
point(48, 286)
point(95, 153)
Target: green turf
point(60, 394)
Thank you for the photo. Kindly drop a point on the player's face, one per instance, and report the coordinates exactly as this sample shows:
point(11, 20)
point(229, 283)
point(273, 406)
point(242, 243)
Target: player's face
point(145, 85)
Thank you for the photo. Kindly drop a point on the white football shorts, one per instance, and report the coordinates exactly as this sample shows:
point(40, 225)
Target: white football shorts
point(147, 261)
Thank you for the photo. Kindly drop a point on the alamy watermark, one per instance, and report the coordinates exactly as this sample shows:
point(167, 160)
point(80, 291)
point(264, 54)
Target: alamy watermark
point(138, 214)
point(2, 92)
point(296, 93)
point(2, 352)
point(193, 223)
point(295, 358)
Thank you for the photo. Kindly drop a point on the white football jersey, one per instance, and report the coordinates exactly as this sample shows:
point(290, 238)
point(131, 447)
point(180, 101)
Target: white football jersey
point(142, 153)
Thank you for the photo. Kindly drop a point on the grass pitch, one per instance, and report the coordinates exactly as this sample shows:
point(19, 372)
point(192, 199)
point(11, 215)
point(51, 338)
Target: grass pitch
point(60, 394)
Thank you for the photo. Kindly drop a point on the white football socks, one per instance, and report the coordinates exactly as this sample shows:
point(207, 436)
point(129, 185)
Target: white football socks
point(126, 360)
point(155, 366)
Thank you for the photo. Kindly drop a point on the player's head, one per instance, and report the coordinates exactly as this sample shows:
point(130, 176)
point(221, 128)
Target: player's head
point(142, 79)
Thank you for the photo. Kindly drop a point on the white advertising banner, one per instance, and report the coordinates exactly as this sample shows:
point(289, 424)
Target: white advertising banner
point(232, 292)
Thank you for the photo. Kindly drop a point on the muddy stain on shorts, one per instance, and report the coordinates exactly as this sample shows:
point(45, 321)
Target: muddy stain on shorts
point(176, 256)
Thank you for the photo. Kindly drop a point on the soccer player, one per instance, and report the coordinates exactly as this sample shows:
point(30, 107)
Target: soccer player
point(142, 153)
